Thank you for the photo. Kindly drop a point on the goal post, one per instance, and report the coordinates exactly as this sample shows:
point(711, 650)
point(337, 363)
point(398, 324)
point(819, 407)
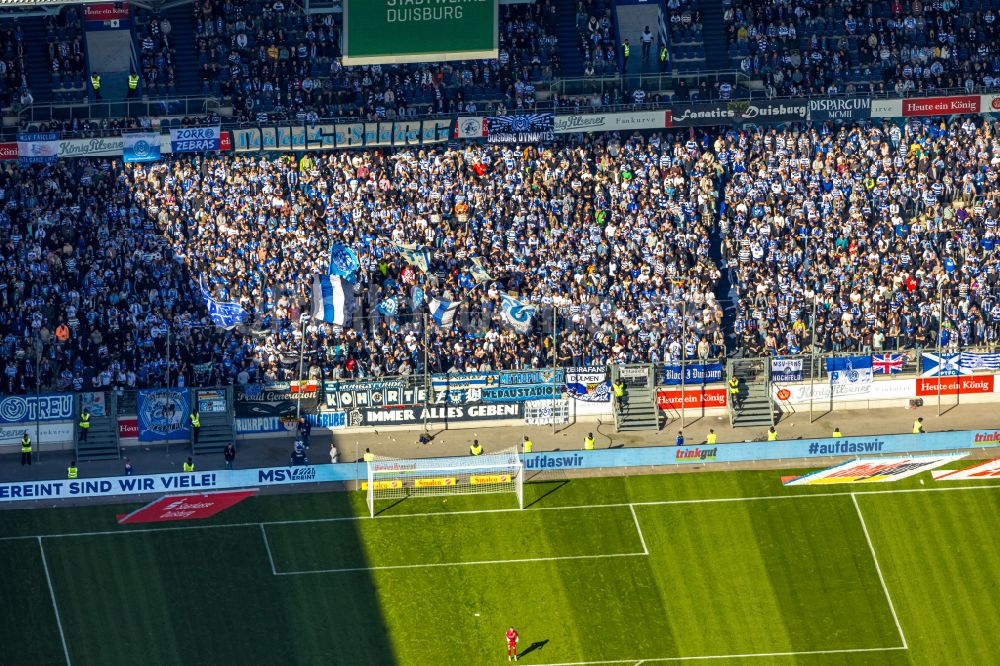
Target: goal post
point(397, 478)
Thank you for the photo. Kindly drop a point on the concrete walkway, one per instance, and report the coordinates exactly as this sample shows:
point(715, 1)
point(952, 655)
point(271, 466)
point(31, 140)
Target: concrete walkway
point(274, 451)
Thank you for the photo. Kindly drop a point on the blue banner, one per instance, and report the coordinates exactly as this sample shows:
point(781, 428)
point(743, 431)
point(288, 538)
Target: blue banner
point(519, 393)
point(694, 373)
point(164, 414)
point(141, 147)
point(195, 139)
point(851, 370)
point(944, 365)
point(515, 377)
point(523, 128)
point(29, 408)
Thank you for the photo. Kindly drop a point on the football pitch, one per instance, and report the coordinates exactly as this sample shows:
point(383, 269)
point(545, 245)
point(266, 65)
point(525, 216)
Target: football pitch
point(727, 568)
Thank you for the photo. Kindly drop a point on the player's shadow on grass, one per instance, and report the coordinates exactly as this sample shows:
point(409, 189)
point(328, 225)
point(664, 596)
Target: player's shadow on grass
point(537, 645)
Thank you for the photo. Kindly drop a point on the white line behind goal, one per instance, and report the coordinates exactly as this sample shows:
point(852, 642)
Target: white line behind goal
point(396, 478)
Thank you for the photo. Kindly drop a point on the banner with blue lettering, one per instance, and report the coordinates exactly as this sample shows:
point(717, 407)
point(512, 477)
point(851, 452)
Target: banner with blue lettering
point(195, 139)
point(786, 370)
point(694, 373)
point(45, 407)
point(141, 147)
point(164, 414)
point(37, 147)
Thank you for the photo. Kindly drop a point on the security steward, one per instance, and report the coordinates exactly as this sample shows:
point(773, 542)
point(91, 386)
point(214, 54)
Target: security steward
point(133, 84)
point(526, 446)
point(95, 83)
point(195, 425)
point(189, 465)
point(475, 449)
point(618, 388)
point(663, 57)
point(25, 450)
point(369, 456)
point(772, 434)
point(918, 426)
point(72, 472)
point(712, 438)
point(836, 432)
point(734, 391)
point(588, 442)
point(626, 52)
point(84, 424)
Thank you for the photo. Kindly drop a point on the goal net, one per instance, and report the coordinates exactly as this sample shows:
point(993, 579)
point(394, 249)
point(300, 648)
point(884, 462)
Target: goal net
point(395, 478)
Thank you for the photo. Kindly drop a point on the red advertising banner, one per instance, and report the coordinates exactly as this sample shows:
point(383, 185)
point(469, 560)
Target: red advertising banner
point(8, 151)
point(955, 385)
point(128, 427)
point(225, 141)
point(940, 106)
point(693, 397)
point(668, 118)
point(106, 11)
point(186, 507)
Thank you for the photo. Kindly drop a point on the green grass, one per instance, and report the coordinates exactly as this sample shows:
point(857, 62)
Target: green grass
point(790, 573)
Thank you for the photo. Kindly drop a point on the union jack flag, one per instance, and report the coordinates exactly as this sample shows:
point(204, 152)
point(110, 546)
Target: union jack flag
point(888, 364)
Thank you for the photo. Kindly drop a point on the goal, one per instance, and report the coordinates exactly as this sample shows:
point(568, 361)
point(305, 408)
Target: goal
point(397, 478)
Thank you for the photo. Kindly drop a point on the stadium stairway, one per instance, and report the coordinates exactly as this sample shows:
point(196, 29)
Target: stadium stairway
point(639, 410)
point(570, 61)
point(36, 41)
point(185, 51)
point(713, 34)
point(755, 408)
point(102, 440)
point(217, 430)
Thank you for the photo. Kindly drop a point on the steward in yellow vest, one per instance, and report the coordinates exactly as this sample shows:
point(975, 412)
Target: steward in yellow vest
point(588, 442)
point(526, 446)
point(25, 450)
point(72, 472)
point(475, 449)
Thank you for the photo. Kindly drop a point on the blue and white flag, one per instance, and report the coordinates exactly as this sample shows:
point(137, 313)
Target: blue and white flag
point(516, 313)
point(415, 255)
point(195, 139)
point(479, 273)
point(141, 147)
point(443, 312)
point(973, 361)
point(850, 370)
point(786, 370)
point(416, 297)
point(343, 262)
point(333, 299)
point(944, 365)
point(225, 315)
point(389, 306)
point(38, 147)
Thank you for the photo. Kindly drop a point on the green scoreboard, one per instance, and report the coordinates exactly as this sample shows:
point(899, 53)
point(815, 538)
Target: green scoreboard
point(397, 31)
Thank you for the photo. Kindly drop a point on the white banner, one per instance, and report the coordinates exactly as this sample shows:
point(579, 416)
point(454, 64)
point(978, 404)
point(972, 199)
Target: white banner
point(470, 127)
point(987, 470)
point(887, 108)
point(875, 470)
point(544, 412)
point(51, 433)
point(610, 122)
point(799, 394)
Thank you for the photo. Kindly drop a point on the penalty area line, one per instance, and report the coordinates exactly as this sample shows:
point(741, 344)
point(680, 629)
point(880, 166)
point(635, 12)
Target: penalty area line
point(55, 606)
point(878, 570)
point(758, 655)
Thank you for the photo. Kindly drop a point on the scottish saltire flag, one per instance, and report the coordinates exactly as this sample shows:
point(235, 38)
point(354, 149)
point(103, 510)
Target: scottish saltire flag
point(943, 365)
point(224, 315)
point(851, 370)
point(333, 299)
point(888, 364)
point(415, 255)
point(516, 313)
point(389, 306)
point(416, 297)
point(479, 273)
point(343, 262)
point(973, 361)
point(443, 312)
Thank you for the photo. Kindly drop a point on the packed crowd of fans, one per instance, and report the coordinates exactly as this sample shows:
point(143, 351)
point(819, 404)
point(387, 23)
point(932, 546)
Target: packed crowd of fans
point(809, 48)
point(597, 43)
point(156, 53)
point(877, 230)
point(14, 86)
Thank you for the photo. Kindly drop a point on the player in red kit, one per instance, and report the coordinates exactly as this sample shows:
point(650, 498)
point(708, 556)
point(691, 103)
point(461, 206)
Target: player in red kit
point(512, 639)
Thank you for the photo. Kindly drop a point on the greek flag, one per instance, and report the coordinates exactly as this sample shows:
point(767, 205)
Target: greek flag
point(850, 370)
point(443, 312)
point(479, 273)
point(415, 255)
point(389, 306)
point(333, 299)
point(973, 361)
point(343, 262)
point(943, 365)
point(516, 313)
point(224, 315)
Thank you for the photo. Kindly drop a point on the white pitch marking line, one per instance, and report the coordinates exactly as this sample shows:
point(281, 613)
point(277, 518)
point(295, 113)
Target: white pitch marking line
point(638, 529)
point(55, 606)
point(460, 564)
point(878, 570)
point(727, 656)
point(479, 511)
point(267, 545)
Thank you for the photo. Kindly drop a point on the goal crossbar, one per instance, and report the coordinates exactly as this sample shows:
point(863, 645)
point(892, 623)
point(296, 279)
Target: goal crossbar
point(397, 478)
